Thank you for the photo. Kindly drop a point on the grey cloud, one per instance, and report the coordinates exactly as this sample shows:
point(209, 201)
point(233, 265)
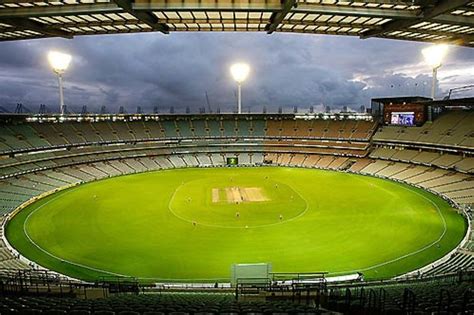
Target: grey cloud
point(154, 70)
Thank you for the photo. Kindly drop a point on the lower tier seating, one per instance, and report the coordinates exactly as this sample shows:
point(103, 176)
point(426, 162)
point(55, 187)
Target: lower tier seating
point(456, 186)
point(458, 162)
point(444, 295)
point(458, 261)
point(438, 296)
point(174, 304)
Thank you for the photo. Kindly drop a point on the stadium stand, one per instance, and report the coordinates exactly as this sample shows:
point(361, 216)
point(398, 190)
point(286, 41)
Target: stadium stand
point(40, 157)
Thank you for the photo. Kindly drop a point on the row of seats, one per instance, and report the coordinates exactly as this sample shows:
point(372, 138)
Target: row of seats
point(358, 149)
point(150, 304)
point(29, 136)
point(444, 296)
point(8, 260)
point(458, 162)
point(308, 160)
point(458, 261)
point(326, 129)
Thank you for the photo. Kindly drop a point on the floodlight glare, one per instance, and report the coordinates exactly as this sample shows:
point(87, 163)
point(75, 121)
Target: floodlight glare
point(239, 72)
point(59, 62)
point(434, 55)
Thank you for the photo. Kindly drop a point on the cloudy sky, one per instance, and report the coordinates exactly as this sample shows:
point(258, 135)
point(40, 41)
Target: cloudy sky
point(177, 70)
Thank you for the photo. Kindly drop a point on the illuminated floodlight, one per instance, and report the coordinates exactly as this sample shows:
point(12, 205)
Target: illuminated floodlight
point(240, 72)
point(59, 63)
point(434, 55)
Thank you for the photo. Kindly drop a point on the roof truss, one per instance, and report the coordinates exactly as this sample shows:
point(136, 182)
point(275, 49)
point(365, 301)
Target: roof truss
point(144, 16)
point(450, 21)
point(429, 12)
point(277, 17)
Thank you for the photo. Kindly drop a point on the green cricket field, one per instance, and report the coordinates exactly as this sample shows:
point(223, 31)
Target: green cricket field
point(191, 225)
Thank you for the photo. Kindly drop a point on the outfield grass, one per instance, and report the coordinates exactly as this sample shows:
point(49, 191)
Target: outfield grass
point(142, 225)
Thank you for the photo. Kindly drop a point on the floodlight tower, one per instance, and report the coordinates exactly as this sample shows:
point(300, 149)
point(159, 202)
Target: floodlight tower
point(434, 57)
point(59, 62)
point(239, 72)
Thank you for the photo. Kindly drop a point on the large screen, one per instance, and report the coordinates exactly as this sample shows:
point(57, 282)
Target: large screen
point(232, 160)
point(403, 118)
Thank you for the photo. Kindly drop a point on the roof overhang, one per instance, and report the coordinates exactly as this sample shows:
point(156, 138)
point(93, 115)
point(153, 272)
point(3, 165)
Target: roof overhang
point(448, 21)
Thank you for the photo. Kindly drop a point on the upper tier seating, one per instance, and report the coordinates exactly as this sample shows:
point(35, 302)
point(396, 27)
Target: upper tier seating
point(451, 129)
point(19, 137)
point(321, 129)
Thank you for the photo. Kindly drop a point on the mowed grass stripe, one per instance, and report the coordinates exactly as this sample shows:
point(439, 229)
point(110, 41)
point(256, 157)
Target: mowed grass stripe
point(352, 223)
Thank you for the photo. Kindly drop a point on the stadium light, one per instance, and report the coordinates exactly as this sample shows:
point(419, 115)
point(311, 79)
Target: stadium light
point(59, 62)
point(434, 56)
point(239, 72)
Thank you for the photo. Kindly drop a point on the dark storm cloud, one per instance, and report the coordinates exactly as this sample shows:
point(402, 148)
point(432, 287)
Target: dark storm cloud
point(287, 70)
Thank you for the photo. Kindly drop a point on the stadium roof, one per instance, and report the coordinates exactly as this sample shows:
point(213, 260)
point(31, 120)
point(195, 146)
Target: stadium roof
point(464, 101)
point(449, 21)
